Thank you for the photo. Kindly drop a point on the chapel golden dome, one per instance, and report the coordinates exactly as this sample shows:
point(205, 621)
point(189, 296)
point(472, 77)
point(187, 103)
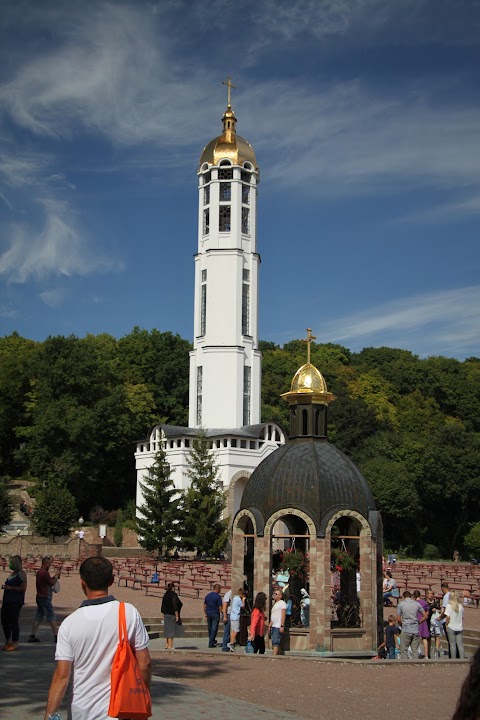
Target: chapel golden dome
point(308, 381)
point(228, 145)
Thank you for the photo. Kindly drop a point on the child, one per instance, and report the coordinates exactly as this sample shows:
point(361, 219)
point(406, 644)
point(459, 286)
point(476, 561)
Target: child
point(436, 631)
point(390, 637)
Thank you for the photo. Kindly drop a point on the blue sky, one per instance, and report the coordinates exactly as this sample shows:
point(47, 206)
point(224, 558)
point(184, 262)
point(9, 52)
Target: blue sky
point(365, 118)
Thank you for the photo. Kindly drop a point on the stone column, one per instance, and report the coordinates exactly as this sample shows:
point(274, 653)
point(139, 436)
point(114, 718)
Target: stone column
point(262, 571)
point(368, 589)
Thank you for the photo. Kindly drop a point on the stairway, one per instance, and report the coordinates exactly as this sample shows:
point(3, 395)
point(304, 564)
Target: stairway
point(194, 627)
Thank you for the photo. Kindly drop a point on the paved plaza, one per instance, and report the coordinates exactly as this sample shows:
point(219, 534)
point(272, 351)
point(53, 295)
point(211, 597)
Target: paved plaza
point(195, 683)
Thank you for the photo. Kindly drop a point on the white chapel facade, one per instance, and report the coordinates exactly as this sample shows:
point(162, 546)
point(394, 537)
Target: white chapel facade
point(225, 363)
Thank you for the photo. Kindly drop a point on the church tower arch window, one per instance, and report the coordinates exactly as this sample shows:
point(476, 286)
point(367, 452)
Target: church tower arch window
point(203, 305)
point(199, 395)
point(246, 303)
point(304, 422)
point(224, 218)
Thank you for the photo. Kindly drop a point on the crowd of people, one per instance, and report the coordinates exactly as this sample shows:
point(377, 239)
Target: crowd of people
point(420, 623)
point(87, 639)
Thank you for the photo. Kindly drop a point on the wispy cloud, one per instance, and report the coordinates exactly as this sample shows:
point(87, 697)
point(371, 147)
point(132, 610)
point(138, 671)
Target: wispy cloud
point(54, 297)
point(444, 322)
point(116, 71)
point(59, 248)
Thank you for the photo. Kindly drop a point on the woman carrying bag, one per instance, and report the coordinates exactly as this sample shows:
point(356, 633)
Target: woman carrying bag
point(172, 623)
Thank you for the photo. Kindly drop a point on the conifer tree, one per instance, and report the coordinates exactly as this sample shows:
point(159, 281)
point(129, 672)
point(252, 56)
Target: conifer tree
point(118, 535)
point(55, 509)
point(158, 524)
point(204, 501)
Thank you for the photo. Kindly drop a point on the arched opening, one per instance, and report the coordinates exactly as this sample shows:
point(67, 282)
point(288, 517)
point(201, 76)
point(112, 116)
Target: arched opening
point(290, 545)
point(304, 422)
point(245, 526)
point(345, 576)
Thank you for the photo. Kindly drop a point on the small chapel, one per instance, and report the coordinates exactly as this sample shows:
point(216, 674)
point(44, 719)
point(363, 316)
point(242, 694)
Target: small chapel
point(308, 525)
point(225, 363)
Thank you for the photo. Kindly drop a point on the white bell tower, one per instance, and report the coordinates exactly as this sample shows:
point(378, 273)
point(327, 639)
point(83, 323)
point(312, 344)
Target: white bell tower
point(225, 363)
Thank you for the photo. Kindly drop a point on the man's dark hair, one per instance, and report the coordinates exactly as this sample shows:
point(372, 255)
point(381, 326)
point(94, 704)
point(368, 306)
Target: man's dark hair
point(407, 594)
point(96, 573)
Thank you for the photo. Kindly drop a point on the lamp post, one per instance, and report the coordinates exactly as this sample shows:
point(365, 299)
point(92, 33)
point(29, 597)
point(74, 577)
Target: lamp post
point(19, 535)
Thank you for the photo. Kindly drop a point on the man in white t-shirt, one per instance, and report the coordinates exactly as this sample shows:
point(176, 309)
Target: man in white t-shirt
point(277, 620)
point(87, 641)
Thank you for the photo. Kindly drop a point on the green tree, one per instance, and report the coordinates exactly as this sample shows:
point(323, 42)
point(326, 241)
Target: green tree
point(158, 524)
point(16, 356)
point(55, 509)
point(6, 505)
point(118, 534)
point(472, 540)
point(204, 501)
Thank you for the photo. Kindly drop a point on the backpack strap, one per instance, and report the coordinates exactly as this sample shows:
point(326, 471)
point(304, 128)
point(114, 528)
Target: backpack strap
point(122, 623)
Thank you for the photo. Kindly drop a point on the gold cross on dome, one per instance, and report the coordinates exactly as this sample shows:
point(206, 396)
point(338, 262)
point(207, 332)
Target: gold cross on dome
point(228, 83)
point(308, 340)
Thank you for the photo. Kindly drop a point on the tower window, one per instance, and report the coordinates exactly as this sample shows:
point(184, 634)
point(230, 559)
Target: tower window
point(225, 191)
point(224, 218)
point(199, 394)
point(247, 382)
point(207, 177)
point(206, 222)
point(203, 310)
point(246, 194)
point(225, 174)
point(204, 276)
point(245, 220)
point(245, 309)
point(246, 275)
point(304, 422)
point(206, 195)
point(246, 176)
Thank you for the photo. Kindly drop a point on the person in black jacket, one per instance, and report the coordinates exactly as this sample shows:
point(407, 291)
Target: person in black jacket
point(172, 624)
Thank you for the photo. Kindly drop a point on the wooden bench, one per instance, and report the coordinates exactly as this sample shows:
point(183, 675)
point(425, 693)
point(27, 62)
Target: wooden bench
point(131, 581)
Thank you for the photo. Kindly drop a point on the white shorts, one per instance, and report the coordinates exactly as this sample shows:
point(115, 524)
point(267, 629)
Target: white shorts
point(235, 625)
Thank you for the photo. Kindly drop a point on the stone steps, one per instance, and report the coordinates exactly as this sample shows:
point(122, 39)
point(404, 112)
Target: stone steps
point(194, 627)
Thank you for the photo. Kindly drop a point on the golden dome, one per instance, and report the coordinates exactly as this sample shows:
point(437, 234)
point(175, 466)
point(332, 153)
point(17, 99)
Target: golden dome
point(308, 381)
point(228, 145)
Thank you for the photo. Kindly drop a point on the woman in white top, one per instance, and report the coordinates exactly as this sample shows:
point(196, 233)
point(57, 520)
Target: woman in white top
point(454, 624)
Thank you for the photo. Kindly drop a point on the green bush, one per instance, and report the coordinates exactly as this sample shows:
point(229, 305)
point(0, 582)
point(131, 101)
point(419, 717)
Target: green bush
point(431, 552)
point(472, 540)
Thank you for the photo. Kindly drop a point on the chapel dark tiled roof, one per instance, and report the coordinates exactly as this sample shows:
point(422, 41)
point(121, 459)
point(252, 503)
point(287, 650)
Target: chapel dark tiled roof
point(309, 475)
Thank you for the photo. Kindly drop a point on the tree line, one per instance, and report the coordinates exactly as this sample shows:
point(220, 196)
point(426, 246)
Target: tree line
point(72, 408)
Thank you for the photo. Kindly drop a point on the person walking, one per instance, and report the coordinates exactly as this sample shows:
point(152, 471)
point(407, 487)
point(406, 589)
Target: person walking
point(238, 604)
point(277, 620)
point(172, 624)
point(227, 600)
point(408, 617)
point(256, 633)
point(454, 624)
point(87, 643)
point(211, 607)
point(45, 583)
point(13, 601)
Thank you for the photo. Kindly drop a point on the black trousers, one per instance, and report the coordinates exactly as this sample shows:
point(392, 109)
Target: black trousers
point(259, 644)
point(9, 616)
